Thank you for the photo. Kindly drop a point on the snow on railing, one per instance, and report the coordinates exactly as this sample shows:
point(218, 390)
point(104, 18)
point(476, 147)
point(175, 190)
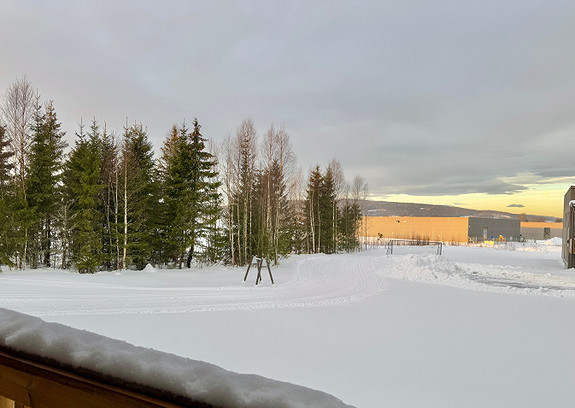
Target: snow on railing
point(53, 363)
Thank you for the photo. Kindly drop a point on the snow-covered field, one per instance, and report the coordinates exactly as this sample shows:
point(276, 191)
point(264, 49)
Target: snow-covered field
point(475, 327)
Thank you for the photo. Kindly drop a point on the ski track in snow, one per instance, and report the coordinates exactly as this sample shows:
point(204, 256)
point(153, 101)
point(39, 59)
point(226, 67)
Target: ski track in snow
point(317, 281)
point(301, 282)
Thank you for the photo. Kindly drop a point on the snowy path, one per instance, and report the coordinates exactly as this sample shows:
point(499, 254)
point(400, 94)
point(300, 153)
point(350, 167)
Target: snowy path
point(314, 281)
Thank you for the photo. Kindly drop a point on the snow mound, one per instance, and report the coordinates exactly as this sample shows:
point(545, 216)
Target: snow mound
point(149, 268)
point(196, 380)
point(491, 278)
point(549, 245)
point(556, 241)
point(424, 268)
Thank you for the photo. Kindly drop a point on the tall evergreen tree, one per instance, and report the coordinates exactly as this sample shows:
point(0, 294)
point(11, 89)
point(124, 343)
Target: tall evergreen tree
point(328, 212)
point(313, 213)
point(43, 183)
point(139, 197)
point(165, 251)
point(190, 196)
point(320, 211)
point(7, 221)
point(348, 226)
point(82, 181)
point(283, 215)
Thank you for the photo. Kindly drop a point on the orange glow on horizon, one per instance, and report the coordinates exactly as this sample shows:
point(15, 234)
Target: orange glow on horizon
point(544, 200)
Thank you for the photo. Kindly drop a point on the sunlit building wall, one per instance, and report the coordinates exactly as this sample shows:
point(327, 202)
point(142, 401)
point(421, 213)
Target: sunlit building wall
point(458, 229)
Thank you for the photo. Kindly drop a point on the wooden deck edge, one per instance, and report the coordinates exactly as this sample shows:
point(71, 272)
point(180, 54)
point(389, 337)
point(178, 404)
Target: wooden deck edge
point(36, 381)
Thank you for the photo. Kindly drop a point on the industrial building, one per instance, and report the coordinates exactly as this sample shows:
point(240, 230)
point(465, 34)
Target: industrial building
point(458, 229)
point(541, 230)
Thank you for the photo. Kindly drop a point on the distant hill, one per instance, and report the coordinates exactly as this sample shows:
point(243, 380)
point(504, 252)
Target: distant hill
point(391, 209)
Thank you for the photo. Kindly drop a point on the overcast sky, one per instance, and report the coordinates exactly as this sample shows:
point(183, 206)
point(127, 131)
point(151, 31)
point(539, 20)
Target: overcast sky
point(423, 98)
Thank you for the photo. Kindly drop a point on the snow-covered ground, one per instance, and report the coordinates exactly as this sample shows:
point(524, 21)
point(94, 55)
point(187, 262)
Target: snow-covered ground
point(475, 327)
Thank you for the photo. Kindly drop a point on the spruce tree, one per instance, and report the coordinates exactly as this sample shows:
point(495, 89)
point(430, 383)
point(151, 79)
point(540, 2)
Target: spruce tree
point(82, 181)
point(139, 197)
point(313, 213)
point(165, 251)
point(328, 212)
point(283, 219)
point(7, 244)
point(348, 226)
point(190, 197)
point(43, 183)
point(173, 191)
point(320, 212)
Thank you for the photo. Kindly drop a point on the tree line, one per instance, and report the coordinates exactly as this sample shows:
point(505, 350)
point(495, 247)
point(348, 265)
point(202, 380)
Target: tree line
point(107, 204)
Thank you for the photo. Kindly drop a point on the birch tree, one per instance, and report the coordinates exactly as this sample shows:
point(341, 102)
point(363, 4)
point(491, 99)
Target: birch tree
point(246, 139)
point(17, 111)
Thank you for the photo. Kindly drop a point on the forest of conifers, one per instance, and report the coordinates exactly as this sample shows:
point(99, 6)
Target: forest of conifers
point(106, 203)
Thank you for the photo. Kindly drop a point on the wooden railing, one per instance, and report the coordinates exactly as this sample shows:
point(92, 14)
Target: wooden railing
point(27, 381)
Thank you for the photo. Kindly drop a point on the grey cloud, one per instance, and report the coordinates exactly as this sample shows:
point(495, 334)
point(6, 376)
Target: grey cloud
point(515, 206)
point(420, 98)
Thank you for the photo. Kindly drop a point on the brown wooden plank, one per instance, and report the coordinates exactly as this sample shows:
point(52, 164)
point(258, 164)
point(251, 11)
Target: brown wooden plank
point(6, 403)
point(13, 384)
point(37, 385)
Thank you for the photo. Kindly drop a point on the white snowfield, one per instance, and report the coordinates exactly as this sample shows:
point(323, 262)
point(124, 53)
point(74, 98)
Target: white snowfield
point(305, 282)
point(475, 327)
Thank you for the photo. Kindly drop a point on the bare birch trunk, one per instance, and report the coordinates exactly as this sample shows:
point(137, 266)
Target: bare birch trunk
point(240, 260)
point(116, 211)
point(312, 223)
point(125, 249)
point(231, 231)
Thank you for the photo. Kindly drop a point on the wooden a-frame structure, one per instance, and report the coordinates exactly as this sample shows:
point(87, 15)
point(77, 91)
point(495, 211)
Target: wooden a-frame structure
point(258, 261)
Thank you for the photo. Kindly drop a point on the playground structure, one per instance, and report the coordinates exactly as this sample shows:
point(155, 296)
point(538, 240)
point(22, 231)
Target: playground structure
point(258, 262)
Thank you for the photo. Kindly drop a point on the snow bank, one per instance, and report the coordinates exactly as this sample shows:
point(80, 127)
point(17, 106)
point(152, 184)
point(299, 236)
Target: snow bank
point(490, 278)
point(555, 241)
point(196, 380)
point(549, 245)
point(150, 269)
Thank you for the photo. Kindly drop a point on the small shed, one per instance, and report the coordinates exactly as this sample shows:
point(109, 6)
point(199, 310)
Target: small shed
point(568, 252)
